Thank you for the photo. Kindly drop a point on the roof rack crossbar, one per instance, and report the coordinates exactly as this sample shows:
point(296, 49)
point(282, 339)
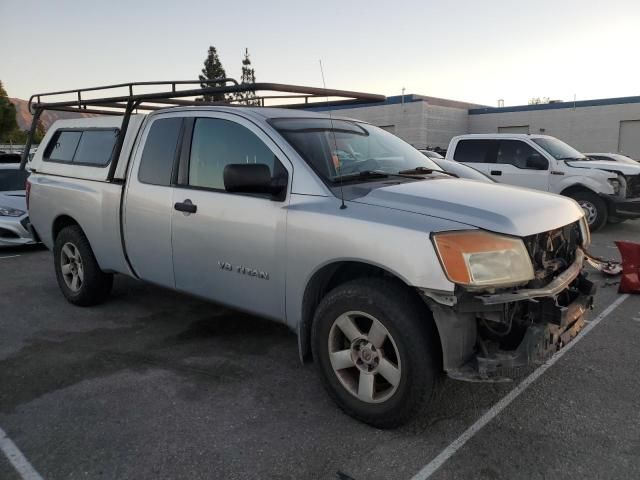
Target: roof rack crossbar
point(80, 102)
point(126, 104)
point(130, 86)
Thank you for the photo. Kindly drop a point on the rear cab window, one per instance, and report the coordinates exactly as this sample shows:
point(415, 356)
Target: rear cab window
point(92, 147)
point(160, 150)
point(476, 151)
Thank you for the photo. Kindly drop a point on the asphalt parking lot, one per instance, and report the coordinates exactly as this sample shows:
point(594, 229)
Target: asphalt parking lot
point(157, 385)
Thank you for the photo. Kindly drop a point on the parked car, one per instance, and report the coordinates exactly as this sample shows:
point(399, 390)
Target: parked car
point(431, 154)
point(613, 157)
point(606, 191)
point(14, 219)
point(389, 271)
point(462, 171)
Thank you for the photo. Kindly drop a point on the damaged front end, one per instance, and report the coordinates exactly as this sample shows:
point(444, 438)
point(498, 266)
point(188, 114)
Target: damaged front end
point(489, 334)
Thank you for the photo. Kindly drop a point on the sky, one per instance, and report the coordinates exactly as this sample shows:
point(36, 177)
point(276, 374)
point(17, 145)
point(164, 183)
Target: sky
point(477, 51)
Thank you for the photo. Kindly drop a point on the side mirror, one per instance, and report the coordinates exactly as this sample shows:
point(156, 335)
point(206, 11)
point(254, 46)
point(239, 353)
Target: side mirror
point(537, 162)
point(251, 178)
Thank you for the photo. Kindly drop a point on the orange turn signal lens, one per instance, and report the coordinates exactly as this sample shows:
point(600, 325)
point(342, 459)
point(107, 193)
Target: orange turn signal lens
point(479, 258)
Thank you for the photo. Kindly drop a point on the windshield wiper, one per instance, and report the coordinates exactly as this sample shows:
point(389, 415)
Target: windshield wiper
point(575, 159)
point(424, 171)
point(363, 175)
point(414, 173)
point(367, 174)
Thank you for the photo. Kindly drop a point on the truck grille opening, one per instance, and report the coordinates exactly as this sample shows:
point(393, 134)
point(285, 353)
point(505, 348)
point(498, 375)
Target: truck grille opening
point(552, 252)
point(633, 186)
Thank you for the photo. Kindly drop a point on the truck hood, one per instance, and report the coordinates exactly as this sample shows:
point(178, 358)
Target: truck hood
point(494, 207)
point(624, 168)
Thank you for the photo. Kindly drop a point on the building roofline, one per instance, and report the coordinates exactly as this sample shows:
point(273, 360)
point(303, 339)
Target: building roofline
point(556, 106)
point(393, 100)
point(397, 99)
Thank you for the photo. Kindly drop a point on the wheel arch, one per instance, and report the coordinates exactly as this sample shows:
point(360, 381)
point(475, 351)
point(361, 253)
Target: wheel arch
point(607, 204)
point(577, 187)
point(330, 276)
point(60, 222)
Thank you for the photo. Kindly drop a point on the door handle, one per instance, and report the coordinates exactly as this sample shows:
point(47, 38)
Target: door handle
point(496, 172)
point(187, 206)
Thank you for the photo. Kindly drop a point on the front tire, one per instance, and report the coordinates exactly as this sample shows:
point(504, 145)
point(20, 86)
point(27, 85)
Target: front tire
point(77, 271)
point(374, 344)
point(595, 208)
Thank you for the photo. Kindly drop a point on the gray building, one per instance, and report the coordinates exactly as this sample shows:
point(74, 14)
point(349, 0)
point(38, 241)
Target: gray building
point(424, 122)
point(605, 125)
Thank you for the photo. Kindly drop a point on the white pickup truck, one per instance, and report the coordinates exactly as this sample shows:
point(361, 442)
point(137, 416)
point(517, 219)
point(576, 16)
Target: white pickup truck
point(606, 190)
point(390, 270)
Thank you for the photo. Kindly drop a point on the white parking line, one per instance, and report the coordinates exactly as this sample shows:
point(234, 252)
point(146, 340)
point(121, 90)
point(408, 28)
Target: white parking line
point(430, 468)
point(9, 256)
point(17, 459)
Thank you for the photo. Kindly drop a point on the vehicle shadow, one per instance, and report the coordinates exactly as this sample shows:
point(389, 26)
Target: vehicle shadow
point(21, 249)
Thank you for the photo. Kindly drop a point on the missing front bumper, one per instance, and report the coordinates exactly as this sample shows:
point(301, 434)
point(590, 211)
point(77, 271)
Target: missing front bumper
point(539, 343)
point(560, 283)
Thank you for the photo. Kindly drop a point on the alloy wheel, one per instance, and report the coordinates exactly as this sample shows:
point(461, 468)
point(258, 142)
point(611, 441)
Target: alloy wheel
point(71, 267)
point(364, 357)
point(590, 211)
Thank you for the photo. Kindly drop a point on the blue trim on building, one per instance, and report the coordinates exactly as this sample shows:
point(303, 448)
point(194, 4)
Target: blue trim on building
point(393, 100)
point(410, 98)
point(556, 106)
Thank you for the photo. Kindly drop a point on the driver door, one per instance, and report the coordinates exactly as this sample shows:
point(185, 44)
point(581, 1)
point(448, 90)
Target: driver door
point(229, 247)
point(515, 160)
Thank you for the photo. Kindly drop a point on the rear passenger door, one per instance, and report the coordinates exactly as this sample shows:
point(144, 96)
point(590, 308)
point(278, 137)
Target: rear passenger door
point(148, 203)
point(230, 247)
point(476, 153)
point(518, 163)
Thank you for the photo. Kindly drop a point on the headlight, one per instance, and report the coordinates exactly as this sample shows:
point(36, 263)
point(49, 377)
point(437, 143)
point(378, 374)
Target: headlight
point(10, 212)
point(585, 233)
point(615, 184)
point(478, 258)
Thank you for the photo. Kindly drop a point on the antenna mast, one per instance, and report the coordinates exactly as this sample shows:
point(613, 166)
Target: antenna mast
point(335, 160)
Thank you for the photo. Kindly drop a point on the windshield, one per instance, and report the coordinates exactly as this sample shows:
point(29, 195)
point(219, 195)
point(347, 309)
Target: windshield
point(558, 149)
point(340, 147)
point(12, 180)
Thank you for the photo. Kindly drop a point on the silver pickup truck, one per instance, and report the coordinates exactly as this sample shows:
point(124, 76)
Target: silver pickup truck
point(390, 270)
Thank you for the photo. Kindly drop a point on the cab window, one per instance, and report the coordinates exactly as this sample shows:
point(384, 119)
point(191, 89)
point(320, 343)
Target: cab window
point(217, 143)
point(517, 153)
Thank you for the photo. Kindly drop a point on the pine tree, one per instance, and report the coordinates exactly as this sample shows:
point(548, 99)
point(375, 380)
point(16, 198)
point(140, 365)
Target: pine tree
point(8, 121)
point(212, 70)
point(248, 76)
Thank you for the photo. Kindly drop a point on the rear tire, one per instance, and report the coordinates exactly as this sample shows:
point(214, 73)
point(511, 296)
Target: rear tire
point(77, 271)
point(375, 347)
point(595, 208)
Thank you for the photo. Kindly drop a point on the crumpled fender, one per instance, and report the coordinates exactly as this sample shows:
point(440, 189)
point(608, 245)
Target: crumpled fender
point(630, 253)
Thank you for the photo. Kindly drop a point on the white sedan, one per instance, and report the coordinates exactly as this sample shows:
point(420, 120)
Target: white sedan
point(14, 220)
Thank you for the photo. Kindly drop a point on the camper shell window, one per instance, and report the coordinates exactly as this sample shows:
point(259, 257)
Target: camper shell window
point(92, 147)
